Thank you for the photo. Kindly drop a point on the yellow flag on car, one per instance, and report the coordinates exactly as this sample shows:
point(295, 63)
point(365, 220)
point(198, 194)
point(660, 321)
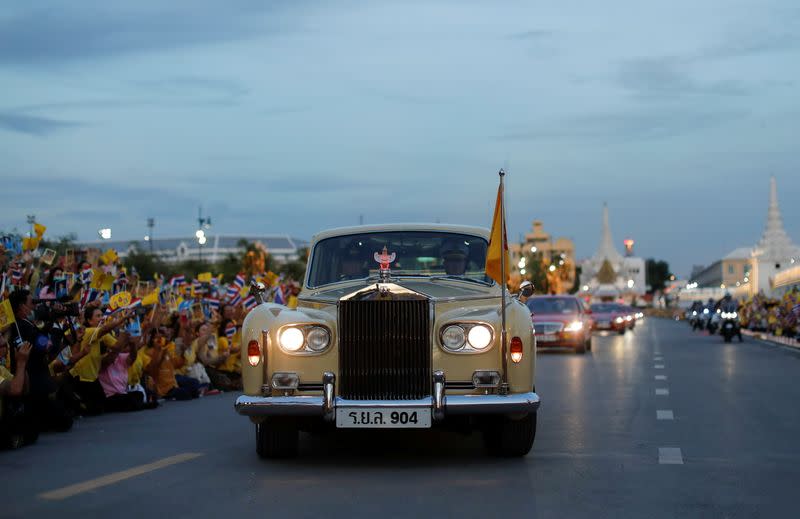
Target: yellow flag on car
point(497, 254)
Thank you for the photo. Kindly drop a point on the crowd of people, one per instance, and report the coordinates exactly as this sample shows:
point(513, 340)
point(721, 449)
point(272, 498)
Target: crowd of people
point(81, 338)
point(776, 316)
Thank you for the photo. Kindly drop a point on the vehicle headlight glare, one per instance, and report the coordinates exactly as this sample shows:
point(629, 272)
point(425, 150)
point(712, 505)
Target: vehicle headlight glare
point(292, 339)
point(318, 338)
point(619, 320)
point(479, 337)
point(453, 338)
point(574, 326)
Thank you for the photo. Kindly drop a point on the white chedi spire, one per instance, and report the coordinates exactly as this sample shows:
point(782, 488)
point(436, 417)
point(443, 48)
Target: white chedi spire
point(775, 244)
point(607, 251)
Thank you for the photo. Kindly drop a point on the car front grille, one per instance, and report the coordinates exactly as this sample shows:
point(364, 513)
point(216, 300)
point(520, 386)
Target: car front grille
point(548, 328)
point(384, 350)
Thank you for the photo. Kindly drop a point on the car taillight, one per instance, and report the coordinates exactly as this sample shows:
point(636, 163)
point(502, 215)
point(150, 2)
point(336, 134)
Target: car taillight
point(253, 352)
point(516, 350)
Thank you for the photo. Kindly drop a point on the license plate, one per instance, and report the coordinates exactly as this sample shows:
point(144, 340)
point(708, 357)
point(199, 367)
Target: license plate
point(382, 418)
point(546, 338)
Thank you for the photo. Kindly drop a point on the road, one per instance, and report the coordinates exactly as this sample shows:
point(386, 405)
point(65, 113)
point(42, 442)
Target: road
point(714, 432)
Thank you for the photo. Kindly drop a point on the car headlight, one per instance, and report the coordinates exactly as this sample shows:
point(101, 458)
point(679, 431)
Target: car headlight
point(619, 320)
point(574, 326)
point(453, 338)
point(318, 338)
point(291, 339)
point(480, 337)
point(705, 311)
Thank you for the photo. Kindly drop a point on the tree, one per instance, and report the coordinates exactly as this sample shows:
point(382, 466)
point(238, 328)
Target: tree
point(656, 274)
point(146, 264)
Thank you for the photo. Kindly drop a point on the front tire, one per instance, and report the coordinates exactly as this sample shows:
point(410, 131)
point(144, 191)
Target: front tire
point(511, 438)
point(277, 438)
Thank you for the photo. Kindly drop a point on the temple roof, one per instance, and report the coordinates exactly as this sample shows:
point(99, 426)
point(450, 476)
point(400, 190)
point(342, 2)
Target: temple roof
point(607, 251)
point(775, 244)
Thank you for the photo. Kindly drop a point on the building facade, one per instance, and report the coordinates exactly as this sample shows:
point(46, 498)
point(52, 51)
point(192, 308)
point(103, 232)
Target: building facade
point(558, 253)
point(175, 250)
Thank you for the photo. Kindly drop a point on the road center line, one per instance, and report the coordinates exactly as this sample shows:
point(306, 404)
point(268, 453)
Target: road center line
point(670, 456)
point(661, 377)
point(659, 366)
point(116, 477)
point(664, 414)
point(658, 359)
point(662, 391)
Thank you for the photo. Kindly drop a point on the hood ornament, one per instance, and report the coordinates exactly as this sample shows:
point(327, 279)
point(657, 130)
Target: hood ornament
point(384, 259)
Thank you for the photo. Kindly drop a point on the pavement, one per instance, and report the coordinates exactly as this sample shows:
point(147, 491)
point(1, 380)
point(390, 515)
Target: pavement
point(660, 422)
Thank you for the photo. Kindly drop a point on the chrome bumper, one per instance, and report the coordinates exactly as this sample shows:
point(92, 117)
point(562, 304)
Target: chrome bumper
point(441, 404)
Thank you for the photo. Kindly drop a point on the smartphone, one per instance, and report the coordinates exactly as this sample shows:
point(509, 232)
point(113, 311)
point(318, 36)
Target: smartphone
point(17, 342)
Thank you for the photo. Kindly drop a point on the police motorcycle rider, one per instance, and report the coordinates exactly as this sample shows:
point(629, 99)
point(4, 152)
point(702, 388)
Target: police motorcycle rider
point(708, 311)
point(695, 313)
point(729, 314)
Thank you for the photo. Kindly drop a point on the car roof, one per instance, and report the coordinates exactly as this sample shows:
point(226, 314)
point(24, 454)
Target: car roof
point(392, 227)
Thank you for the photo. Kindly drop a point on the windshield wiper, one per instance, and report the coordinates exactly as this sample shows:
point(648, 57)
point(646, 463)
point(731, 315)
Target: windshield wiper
point(460, 278)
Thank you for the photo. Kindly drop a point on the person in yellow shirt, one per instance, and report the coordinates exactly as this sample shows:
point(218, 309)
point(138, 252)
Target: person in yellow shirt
point(161, 364)
point(99, 340)
point(18, 429)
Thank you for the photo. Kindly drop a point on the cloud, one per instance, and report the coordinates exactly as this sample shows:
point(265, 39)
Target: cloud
point(58, 35)
point(529, 35)
point(626, 126)
point(181, 86)
point(32, 124)
point(667, 77)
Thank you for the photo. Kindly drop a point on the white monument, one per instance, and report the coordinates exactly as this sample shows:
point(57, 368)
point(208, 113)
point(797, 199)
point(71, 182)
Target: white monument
point(608, 275)
point(775, 251)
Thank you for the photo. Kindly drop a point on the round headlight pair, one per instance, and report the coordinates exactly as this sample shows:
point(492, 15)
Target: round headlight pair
point(313, 339)
point(456, 337)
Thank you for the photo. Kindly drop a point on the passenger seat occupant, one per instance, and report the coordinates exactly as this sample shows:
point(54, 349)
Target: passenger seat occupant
point(454, 256)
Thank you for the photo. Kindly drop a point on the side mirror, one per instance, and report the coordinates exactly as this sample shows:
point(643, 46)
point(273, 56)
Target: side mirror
point(526, 289)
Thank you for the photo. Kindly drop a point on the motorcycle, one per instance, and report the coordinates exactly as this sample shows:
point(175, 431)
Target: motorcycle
point(714, 321)
point(730, 326)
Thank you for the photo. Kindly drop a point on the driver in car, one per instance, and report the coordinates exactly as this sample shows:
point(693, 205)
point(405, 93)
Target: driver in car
point(454, 256)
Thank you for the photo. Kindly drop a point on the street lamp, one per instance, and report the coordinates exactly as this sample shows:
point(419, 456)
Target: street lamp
point(31, 222)
point(149, 238)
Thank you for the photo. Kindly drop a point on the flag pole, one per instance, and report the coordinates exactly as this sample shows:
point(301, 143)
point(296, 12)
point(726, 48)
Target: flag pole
point(503, 245)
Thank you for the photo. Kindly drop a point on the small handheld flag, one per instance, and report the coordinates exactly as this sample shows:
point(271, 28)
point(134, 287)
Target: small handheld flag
point(230, 330)
point(250, 303)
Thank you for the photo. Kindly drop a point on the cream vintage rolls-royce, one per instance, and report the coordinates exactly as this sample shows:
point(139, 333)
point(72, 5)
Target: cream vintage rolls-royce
point(397, 326)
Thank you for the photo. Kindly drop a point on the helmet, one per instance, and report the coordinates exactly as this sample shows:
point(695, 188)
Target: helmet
point(454, 249)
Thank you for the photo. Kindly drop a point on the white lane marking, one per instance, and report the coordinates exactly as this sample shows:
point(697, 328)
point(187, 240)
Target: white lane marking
point(659, 366)
point(116, 477)
point(658, 359)
point(662, 391)
point(670, 456)
point(661, 377)
point(664, 414)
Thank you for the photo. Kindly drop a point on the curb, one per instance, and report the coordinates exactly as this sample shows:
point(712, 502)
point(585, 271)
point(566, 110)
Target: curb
point(783, 341)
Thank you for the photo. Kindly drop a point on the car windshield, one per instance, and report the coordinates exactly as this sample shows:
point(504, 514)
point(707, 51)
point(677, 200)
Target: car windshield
point(552, 305)
point(605, 308)
point(416, 253)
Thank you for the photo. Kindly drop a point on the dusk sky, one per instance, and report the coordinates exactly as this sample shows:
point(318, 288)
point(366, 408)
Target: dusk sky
point(292, 117)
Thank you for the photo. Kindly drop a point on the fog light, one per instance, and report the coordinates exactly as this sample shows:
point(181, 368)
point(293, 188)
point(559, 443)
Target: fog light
point(285, 381)
point(516, 350)
point(253, 352)
point(481, 379)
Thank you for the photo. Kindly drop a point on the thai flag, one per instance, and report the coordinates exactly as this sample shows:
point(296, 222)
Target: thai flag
point(86, 276)
point(163, 297)
point(198, 287)
point(89, 295)
point(134, 304)
point(16, 276)
point(230, 330)
point(211, 302)
point(214, 281)
point(239, 281)
point(177, 281)
point(236, 300)
point(232, 291)
point(280, 298)
point(250, 303)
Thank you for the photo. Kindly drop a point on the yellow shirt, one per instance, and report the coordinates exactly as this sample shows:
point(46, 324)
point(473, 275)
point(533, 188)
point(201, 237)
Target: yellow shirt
point(88, 367)
point(166, 370)
point(5, 375)
point(136, 370)
point(190, 357)
point(232, 363)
